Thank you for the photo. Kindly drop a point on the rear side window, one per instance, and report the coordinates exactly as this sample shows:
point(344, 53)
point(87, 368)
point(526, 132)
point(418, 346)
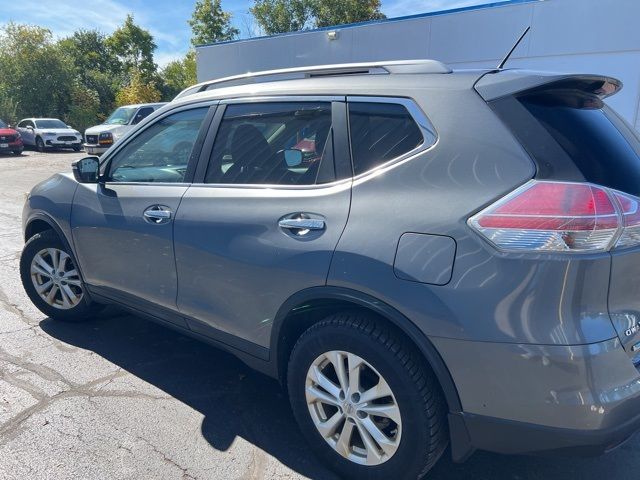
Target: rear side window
point(380, 132)
point(288, 143)
point(574, 136)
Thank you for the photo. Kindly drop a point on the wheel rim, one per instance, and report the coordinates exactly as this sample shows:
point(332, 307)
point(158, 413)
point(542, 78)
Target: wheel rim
point(56, 279)
point(353, 408)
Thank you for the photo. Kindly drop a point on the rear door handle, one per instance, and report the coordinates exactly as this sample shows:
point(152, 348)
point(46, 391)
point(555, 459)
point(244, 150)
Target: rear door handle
point(301, 226)
point(157, 214)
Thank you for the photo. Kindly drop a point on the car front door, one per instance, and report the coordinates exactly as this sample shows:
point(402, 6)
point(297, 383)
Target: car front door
point(123, 227)
point(266, 217)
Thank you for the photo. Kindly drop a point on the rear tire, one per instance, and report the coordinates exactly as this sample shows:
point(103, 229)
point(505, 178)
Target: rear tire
point(410, 414)
point(50, 277)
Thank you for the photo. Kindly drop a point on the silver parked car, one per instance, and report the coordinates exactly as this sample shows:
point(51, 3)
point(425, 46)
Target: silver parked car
point(423, 257)
point(43, 133)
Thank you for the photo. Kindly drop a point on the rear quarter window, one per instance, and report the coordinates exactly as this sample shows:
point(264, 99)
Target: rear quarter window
point(380, 132)
point(574, 136)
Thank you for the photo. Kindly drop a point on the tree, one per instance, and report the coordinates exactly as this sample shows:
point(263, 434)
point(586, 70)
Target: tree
point(178, 75)
point(339, 12)
point(280, 16)
point(34, 73)
point(84, 107)
point(138, 91)
point(210, 24)
point(134, 47)
point(89, 52)
point(95, 67)
point(8, 108)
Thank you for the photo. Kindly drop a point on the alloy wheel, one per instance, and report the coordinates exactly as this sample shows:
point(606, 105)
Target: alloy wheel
point(56, 278)
point(353, 408)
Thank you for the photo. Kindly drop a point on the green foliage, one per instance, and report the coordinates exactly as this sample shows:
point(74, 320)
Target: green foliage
point(279, 16)
point(95, 66)
point(209, 23)
point(133, 47)
point(84, 107)
point(8, 108)
point(338, 12)
point(178, 75)
point(139, 90)
point(33, 71)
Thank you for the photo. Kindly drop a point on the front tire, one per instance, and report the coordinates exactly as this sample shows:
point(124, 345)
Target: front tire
point(39, 145)
point(17, 153)
point(76, 148)
point(365, 399)
point(51, 279)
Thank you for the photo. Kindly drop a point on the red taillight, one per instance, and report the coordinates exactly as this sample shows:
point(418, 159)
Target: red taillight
point(559, 216)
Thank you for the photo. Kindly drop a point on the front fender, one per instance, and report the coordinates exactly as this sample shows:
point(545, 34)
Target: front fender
point(51, 201)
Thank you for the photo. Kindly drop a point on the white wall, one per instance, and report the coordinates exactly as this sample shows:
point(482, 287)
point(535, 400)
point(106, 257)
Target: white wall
point(582, 36)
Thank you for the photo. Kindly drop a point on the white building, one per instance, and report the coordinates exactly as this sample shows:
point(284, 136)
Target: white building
point(578, 36)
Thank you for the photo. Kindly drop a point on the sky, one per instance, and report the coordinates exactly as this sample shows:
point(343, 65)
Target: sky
point(166, 19)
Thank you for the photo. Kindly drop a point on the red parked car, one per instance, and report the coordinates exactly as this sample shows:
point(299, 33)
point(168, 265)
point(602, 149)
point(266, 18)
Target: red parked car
point(10, 140)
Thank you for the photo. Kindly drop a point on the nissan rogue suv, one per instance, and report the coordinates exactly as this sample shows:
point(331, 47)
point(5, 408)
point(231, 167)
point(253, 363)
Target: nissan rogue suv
point(452, 260)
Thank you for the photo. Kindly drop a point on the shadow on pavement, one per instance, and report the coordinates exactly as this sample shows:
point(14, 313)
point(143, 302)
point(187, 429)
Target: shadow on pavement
point(236, 401)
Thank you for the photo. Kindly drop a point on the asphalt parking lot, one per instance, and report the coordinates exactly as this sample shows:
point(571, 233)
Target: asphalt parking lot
point(119, 397)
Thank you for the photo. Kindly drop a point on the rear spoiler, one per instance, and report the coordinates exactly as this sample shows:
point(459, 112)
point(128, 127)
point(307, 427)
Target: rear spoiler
point(498, 84)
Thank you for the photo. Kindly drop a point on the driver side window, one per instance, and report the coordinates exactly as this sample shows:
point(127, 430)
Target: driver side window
point(161, 152)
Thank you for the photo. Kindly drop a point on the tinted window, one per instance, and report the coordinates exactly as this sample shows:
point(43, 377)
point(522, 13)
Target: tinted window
point(2, 124)
point(161, 152)
point(142, 114)
point(273, 143)
point(574, 136)
point(380, 132)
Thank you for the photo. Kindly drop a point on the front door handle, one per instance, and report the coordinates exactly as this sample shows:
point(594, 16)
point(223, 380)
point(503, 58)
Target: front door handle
point(301, 225)
point(157, 214)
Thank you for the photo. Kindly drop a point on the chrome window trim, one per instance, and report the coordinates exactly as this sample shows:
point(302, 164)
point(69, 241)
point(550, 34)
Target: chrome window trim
point(429, 133)
point(274, 186)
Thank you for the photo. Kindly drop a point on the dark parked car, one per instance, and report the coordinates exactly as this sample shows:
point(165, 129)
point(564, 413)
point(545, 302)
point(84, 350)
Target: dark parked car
point(457, 266)
point(10, 140)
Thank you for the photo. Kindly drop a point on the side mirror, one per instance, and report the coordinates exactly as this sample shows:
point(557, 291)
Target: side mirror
point(69, 126)
point(293, 157)
point(86, 170)
point(29, 127)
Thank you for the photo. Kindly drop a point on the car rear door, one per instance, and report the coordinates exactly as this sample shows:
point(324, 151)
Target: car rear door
point(262, 222)
point(123, 227)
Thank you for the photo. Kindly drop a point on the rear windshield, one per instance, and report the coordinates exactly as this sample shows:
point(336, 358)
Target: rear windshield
point(2, 124)
point(574, 136)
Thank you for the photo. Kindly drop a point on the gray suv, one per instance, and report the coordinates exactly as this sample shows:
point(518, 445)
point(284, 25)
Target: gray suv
point(423, 257)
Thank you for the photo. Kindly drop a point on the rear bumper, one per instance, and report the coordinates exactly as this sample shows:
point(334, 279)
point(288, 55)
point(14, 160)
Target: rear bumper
point(509, 437)
point(16, 145)
point(541, 399)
